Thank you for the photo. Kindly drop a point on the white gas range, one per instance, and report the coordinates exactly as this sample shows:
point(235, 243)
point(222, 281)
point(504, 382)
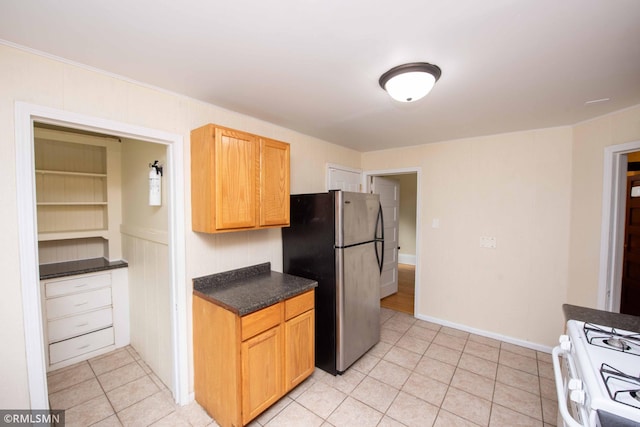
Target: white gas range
point(597, 369)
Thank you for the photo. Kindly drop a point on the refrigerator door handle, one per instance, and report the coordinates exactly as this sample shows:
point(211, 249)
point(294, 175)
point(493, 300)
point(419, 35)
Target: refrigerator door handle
point(380, 222)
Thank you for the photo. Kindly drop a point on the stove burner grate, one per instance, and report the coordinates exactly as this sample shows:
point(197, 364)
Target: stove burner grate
point(612, 339)
point(617, 343)
point(622, 388)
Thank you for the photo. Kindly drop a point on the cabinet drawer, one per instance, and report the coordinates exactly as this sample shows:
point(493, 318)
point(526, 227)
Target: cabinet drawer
point(260, 321)
point(69, 327)
point(80, 284)
point(78, 303)
point(298, 304)
point(73, 347)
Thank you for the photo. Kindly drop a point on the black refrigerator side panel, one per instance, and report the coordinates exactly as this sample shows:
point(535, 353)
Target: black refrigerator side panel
point(308, 251)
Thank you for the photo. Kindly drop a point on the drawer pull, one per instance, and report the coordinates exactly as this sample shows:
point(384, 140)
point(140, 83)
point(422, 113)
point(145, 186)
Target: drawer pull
point(82, 324)
point(83, 347)
point(82, 285)
point(82, 303)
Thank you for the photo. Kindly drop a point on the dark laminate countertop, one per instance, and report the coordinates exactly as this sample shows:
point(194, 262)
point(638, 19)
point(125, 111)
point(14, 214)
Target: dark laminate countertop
point(72, 268)
point(249, 289)
point(600, 317)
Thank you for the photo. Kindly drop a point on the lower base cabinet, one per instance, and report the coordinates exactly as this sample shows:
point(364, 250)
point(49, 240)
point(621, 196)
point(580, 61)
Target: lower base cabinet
point(84, 316)
point(299, 350)
point(243, 365)
point(261, 372)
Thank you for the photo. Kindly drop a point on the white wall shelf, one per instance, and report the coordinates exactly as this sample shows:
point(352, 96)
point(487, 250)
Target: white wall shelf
point(66, 173)
point(77, 180)
point(72, 204)
point(71, 234)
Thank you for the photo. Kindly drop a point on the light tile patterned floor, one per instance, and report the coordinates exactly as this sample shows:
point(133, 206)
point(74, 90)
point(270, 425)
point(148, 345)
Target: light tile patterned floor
point(420, 374)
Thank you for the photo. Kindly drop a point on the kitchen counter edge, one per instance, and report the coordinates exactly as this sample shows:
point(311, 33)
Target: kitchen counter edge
point(249, 289)
point(74, 268)
point(601, 317)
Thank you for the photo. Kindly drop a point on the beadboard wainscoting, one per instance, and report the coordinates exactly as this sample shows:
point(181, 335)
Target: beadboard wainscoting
point(147, 253)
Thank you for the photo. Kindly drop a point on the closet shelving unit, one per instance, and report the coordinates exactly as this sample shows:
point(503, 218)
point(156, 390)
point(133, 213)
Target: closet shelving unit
point(78, 200)
point(77, 188)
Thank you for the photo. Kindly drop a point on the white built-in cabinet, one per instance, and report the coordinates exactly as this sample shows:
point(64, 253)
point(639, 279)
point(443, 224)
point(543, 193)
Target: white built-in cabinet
point(84, 316)
point(77, 191)
point(78, 199)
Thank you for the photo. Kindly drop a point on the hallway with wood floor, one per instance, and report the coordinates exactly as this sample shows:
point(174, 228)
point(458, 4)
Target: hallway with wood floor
point(402, 300)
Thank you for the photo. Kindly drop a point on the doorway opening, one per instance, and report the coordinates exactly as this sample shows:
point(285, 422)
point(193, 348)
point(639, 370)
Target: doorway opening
point(402, 225)
point(630, 274)
point(404, 299)
point(613, 232)
point(26, 116)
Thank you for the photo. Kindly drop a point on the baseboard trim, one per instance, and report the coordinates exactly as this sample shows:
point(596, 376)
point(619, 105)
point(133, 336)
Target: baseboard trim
point(406, 259)
point(500, 337)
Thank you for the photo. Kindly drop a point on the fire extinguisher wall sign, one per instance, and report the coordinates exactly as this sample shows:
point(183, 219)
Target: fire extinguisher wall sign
point(155, 184)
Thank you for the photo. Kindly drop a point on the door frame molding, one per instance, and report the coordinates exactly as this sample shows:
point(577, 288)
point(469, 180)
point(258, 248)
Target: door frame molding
point(366, 178)
point(25, 116)
point(343, 168)
point(612, 228)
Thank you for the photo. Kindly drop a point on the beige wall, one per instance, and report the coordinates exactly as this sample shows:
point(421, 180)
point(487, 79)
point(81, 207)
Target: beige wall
point(538, 192)
point(408, 207)
point(515, 187)
point(136, 212)
point(145, 247)
point(589, 140)
point(30, 78)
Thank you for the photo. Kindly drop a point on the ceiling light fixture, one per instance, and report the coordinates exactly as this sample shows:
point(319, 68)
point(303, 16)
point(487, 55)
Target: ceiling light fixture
point(410, 82)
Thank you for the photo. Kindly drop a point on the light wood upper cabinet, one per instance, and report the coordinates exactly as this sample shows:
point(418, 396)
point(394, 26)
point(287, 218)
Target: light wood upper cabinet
point(274, 182)
point(239, 181)
point(236, 166)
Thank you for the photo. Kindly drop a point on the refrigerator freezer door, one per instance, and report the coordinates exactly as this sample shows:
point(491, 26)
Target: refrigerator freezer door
point(357, 303)
point(308, 251)
point(358, 218)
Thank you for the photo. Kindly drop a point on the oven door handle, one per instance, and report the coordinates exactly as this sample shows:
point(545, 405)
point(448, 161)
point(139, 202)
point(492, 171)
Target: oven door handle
point(562, 398)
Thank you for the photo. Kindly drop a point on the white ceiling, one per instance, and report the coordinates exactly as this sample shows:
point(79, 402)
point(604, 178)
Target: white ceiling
point(313, 65)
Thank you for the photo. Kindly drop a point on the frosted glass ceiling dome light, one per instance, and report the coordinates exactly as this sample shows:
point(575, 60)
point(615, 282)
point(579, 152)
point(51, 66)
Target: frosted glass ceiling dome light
point(410, 82)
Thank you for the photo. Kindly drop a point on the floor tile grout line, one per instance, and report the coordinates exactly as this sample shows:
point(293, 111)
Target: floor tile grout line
point(104, 393)
point(413, 370)
point(71, 385)
point(495, 380)
point(146, 374)
point(390, 346)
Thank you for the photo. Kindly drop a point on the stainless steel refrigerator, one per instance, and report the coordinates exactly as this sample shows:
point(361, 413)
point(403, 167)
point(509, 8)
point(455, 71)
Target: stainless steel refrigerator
point(337, 239)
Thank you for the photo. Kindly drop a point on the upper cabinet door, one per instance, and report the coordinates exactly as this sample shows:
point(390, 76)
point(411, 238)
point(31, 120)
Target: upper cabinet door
point(236, 166)
point(239, 181)
point(274, 182)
